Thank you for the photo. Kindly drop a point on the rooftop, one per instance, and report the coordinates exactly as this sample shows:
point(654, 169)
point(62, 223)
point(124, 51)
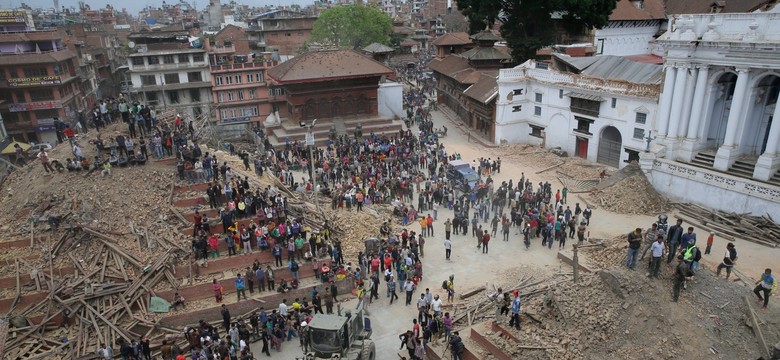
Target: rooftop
point(327, 65)
point(377, 48)
point(19, 37)
point(651, 10)
point(168, 52)
point(35, 58)
point(612, 67)
point(452, 39)
point(485, 89)
point(674, 7)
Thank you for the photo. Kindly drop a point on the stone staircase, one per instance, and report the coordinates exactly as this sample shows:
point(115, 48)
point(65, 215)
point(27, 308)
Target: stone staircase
point(704, 160)
point(743, 169)
point(292, 131)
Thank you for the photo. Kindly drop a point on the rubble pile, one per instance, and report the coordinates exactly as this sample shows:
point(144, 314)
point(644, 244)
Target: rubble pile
point(629, 192)
point(612, 253)
point(552, 161)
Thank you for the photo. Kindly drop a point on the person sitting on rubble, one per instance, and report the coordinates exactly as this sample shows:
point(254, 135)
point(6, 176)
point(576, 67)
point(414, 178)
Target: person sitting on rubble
point(57, 165)
point(178, 300)
point(283, 288)
point(72, 165)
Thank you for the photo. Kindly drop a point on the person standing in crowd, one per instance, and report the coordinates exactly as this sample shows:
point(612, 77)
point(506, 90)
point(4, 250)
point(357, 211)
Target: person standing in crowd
point(729, 259)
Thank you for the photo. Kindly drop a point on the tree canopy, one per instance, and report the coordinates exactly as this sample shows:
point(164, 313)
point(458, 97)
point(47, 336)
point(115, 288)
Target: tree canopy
point(352, 26)
point(529, 25)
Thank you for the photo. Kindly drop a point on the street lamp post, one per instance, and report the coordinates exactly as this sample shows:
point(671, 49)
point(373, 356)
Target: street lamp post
point(310, 145)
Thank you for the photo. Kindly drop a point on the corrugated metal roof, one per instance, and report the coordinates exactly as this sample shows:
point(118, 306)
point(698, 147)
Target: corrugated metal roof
point(484, 90)
point(615, 68)
point(590, 97)
point(377, 48)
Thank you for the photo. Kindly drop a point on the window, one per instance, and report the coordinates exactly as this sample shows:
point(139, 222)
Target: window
point(585, 106)
point(221, 96)
point(151, 98)
point(249, 78)
point(583, 125)
point(147, 80)
point(238, 79)
point(641, 118)
point(184, 58)
point(173, 97)
point(537, 111)
point(639, 133)
point(231, 95)
point(171, 78)
point(542, 65)
point(43, 94)
point(33, 72)
point(560, 93)
point(138, 60)
point(195, 95)
point(153, 60)
point(252, 94)
point(517, 108)
point(228, 80)
point(287, 34)
point(538, 97)
point(240, 95)
point(194, 76)
point(518, 91)
point(536, 131)
point(259, 77)
point(614, 102)
point(219, 80)
point(168, 59)
point(197, 57)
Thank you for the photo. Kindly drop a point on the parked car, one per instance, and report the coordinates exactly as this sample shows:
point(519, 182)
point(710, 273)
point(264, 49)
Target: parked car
point(36, 148)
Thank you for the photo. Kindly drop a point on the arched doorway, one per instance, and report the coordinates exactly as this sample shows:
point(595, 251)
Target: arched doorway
point(610, 144)
point(724, 87)
point(759, 119)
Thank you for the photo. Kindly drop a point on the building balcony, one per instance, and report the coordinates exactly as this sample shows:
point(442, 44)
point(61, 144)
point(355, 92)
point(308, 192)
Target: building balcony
point(252, 85)
point(223, 49)
point(166, 67)
point(179, 86)
point(242, 66)
point(233, 103)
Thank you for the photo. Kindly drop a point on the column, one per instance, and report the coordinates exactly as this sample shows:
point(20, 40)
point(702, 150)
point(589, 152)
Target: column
point(728, 151)
point(737, 104)
point(698, 103)
point(680, 82)
point(666, 101)
point(773, 141)
point(685, 116)
point(769, 162)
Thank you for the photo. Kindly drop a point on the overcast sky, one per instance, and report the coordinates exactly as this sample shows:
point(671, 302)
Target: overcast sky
point(135, 6)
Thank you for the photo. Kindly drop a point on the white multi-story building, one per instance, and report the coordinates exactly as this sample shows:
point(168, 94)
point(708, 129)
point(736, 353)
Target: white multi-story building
point(718, 133)
point(170, 74)
point(600, 109)
point(632, 26)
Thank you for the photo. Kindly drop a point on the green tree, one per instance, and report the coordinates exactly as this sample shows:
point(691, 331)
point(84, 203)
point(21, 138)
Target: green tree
point(352, 26)
point(529, 25)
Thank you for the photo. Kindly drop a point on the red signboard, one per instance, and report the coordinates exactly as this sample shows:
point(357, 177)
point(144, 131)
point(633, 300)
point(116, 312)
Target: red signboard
point(38, 105)
point(35, 81)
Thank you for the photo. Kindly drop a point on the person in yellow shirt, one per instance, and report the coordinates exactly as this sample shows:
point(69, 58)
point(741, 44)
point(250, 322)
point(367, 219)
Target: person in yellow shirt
point(296, 305)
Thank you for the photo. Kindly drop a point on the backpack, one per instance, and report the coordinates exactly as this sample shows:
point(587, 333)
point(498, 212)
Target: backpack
point(696, 254)
point(444, 285)
point(294, 267)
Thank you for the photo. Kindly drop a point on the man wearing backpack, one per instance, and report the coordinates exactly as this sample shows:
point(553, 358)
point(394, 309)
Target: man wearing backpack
point(456, 346)
point(692, 255)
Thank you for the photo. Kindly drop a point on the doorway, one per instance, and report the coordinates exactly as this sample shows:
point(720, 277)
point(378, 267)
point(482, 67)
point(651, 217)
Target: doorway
point(581, 149)
point(610, 144)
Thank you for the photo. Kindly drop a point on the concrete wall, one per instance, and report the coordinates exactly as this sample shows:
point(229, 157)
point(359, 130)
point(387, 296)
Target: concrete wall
point(713, 189)
point(559, 121)
point(628, 40)
point(390, 100)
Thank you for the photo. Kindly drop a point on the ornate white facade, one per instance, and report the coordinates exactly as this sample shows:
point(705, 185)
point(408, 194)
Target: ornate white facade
point(601, 120)
point(721, 87)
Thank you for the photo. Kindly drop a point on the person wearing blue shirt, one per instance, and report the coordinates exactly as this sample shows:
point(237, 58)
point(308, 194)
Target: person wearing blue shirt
point(688, 238)
point(766, 284)
point(240, 287)
point(516, 308)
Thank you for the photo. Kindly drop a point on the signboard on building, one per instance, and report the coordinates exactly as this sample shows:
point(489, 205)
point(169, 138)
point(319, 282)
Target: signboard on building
point(45, 128)
point(13, 17)
point(35, 81)
point(37, 105)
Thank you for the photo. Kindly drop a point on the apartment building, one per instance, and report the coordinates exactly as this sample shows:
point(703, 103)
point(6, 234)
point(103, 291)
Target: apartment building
point(167, 72)
point(39, 83)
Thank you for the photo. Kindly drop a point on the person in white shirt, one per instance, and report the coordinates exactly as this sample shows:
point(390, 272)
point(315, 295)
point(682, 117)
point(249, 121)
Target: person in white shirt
point(283, 308)
point(447, 248)
point(436, 305)
point(658, 252)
